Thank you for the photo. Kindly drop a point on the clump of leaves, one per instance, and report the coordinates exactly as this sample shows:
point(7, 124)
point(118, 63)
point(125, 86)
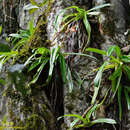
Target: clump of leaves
point(19, 39)
point(41, 56)
point(79, 14)
point(120, 65)
point(86, 119)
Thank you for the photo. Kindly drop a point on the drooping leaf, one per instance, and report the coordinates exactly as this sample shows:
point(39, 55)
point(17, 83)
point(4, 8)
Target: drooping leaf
point(62, 67)
point(34, 65)
point(125, 58)
point(87, 26)
point(117, 86)
point(118, 51)
point(119, 101)
point(36, 76)
point(127, 98)
point(52, 59)
point(127, 71)
point(97, 51)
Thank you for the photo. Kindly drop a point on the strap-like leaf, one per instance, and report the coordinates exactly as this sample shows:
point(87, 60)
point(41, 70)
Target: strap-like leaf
point(97, 51)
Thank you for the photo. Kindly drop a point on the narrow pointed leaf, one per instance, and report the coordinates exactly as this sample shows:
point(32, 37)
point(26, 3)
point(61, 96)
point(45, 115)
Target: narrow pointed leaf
point(110, 50)
point(104, 120)
point(119, 101)
point(116, 73)
point(62, 67)
point(127, 98)
point(99, 7)
point(87, 26)
point(97, 51)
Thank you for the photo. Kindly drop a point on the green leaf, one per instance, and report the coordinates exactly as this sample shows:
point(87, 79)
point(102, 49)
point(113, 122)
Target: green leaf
point(42, 51)
point(117, 86)
point(104, 120)
point(62, 67)
point(33, 2)
point(80, 54)
point(36, 76)
point(30, 6)
point(118, 51)
point(119, 101)
point(0, 29)
point(31, 27)
point(1, 63)
point(127, 71)
point(98, 77)
point(125, 58)
point(2, 81)
point(74, 115)
point(116, 73)
point(57, 18)
point(97, 51)
point(70, 15)
point(114, 82)
point(87, 26)
point(128, 88)
point(34, 65)
point(52, 59)
point(90, 112)
point(69, 79)
point(110, 50)
point(99, 7)
point(93, 13)
point(127, 98)
point(97, 82)
point(73, 123)
point(15, 35)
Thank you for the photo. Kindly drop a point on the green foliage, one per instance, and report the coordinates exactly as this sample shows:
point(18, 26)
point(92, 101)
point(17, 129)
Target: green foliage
point(86, 120)
point(120, 65)
point(0, 29)
point(18, 40)
point(39, 59)
point(34, 6)
point(41, 56)
point(80, 14)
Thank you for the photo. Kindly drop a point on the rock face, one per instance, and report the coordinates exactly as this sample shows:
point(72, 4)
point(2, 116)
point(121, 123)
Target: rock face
point(37, 109)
